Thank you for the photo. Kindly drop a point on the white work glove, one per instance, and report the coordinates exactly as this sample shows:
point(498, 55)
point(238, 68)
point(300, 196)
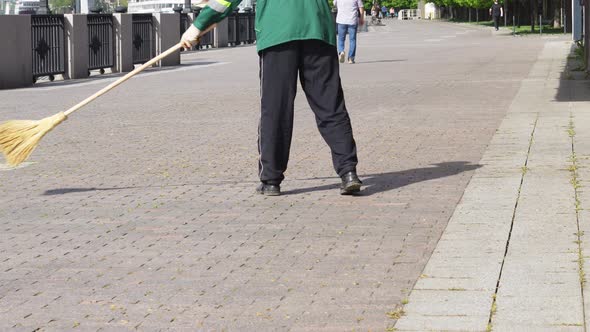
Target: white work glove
point(190, 37)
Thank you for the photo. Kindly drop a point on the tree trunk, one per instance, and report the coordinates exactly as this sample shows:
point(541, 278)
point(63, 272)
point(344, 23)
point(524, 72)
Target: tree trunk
point(544, 12)
point(535, 14)
point(557, 13)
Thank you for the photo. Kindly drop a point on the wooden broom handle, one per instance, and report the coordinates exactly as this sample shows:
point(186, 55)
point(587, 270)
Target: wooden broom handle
point(132, 73)
point(123, 79)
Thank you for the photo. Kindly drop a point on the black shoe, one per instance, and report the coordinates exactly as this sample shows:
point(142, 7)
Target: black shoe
point(269, 189)
point(350, 184)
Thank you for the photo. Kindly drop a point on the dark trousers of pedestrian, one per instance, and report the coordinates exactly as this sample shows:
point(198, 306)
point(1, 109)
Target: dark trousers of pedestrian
point(496, 19)
point(316, 64)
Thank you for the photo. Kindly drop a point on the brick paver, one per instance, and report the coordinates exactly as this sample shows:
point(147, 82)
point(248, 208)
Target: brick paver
point(140, 212)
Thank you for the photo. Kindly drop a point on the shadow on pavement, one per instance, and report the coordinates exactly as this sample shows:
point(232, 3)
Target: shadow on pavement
point(381, 182)
point(98, 78)
point(572, 90)
point(380, 61)
point(573, 83)
point(372, 183)
point(62, 191)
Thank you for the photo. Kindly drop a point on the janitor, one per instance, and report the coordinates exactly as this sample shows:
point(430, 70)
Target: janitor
point(294, 38)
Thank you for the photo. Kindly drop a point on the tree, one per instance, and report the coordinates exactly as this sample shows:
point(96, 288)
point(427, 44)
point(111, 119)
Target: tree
point(397, 4)
point(55, 5)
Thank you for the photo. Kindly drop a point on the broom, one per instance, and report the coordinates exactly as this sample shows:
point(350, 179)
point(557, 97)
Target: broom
point(18, 138)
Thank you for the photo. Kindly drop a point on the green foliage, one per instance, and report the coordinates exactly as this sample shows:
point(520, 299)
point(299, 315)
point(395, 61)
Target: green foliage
point(56, 4)
point(405, 4)
point(397, 4)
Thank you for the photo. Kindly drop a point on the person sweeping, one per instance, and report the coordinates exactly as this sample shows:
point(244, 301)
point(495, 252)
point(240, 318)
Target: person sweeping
point(294, 37)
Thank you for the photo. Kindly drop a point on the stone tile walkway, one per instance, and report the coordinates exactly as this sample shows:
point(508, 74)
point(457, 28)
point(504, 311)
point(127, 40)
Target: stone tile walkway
point(139, 212)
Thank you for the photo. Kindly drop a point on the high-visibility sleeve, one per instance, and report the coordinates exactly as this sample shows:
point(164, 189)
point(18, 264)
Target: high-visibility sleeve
point(215, 11)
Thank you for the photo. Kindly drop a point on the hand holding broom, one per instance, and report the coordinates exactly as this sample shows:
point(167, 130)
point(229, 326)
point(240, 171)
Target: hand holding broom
point(18, 138)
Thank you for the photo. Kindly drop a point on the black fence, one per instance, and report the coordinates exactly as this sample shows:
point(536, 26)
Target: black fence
point(246, 27)
point(206, 40)
point(241, 28)
point(185, 22)
point(142, 32)
point(101, 41)
point(48, 43)
point(232, 29)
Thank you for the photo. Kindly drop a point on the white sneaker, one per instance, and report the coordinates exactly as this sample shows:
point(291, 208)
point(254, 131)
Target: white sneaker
point(341, 57)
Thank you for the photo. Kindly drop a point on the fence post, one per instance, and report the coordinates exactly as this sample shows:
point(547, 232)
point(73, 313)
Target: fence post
point(76, 45)
point(221, 34)
point(122, 23)
point(16, 69)
point(167, 34)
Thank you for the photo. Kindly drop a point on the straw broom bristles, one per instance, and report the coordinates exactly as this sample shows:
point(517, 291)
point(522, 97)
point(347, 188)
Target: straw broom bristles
point(18, 138)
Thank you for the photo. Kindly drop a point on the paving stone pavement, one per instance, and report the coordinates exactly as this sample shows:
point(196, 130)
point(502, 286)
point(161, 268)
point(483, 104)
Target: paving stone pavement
point(513, 255)
point(139, 212)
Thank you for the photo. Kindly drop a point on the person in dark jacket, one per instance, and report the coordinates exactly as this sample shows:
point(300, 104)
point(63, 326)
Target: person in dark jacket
point(294, 38)
point(496, 11)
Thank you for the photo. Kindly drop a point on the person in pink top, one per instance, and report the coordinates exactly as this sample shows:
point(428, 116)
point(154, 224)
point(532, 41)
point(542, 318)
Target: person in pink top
point(351, 14)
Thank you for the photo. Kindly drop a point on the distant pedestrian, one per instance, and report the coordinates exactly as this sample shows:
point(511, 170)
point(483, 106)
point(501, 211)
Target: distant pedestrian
point(496, 11)
point(391, 12)
point(384, 11)
point(351, 14)
point(375, 14)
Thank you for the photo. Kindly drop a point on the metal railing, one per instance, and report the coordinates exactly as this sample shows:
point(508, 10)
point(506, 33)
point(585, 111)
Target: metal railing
point(48, 43)
point(100, 41)
point(241, 28)
point(232, 29)
point(142, 31)
point(185, 22)
point(408, 14)
point(246, 28)
point(206, 40)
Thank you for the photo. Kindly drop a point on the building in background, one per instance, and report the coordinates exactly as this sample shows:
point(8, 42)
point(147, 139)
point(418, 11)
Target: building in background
point(7, 7)
point(153, 6)
point(166, 6)
point(27, 6)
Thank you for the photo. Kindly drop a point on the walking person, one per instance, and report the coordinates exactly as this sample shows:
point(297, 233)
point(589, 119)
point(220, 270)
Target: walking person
point(348, 21)
point(294, 38)
point(496, 11)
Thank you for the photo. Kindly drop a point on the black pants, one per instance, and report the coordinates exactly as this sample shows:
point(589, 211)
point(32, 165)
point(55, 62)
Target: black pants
point(496, 19)
point(316, 63)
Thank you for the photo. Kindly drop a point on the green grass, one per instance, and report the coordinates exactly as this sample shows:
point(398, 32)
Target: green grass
point(526, 30)
point(523, 30)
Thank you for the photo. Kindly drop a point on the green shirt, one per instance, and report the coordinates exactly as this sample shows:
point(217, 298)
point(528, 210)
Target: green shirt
point(278, 21)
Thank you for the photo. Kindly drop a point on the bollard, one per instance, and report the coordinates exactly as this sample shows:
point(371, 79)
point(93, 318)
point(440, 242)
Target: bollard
point(77, 45)
point(16, 67)
point(167, 35)
point(122, 23)
point(221, 34)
